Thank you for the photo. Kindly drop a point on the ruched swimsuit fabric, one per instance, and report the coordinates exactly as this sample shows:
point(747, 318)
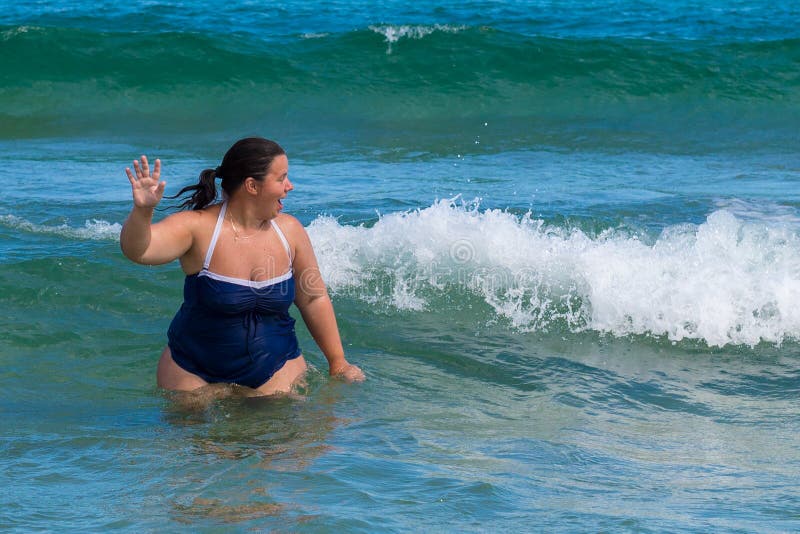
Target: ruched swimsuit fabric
point(231, 329)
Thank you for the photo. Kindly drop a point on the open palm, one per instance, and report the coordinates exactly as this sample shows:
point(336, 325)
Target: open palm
point(147, 190)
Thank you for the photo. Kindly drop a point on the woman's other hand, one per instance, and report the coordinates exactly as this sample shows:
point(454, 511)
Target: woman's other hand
point(348, 372)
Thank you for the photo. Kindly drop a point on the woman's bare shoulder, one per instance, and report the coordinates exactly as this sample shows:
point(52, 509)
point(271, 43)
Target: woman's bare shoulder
point(289, 223)
point(295, 233)
point(194, 219)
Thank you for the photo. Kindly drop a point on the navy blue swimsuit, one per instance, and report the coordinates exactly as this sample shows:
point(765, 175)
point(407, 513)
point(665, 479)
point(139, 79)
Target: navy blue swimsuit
point(232, 329)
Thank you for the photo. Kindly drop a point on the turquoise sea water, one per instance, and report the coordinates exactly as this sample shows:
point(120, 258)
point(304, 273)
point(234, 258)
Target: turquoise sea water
point(562, 238)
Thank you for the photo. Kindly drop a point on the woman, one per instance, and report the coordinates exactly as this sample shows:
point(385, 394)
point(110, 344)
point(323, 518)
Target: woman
point(245, 263)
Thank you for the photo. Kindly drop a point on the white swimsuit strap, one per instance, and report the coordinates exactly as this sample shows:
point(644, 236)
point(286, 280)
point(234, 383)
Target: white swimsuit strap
point(283, 239)
point(217, 229)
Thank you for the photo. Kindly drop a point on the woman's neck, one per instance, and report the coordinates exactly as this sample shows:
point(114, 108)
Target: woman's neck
point(244, 217)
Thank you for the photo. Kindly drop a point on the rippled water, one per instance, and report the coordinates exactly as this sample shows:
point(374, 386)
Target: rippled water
point(561, 240)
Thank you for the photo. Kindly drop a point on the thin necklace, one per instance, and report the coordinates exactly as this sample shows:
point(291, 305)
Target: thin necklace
point(236, 236)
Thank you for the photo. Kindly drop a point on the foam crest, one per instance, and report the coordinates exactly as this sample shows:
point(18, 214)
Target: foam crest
point(95, 229)
point(394, 33)
point(760, 211)
point(725, 281)
point(13, 32)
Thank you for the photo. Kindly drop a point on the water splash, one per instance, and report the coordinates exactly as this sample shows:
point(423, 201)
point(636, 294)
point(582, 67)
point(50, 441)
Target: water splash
point(726, 281)
point(394, 33)
point(95, 229)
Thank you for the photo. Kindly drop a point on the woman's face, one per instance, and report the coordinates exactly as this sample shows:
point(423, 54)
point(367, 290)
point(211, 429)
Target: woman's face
point(275, 186)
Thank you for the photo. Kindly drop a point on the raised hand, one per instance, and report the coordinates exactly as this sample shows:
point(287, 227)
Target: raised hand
point(147, 190)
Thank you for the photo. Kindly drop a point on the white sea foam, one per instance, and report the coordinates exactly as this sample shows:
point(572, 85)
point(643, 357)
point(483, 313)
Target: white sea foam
point(94, 229)
point(13, 32)
point(759, 211)
point(393, 33)
point(729, 280)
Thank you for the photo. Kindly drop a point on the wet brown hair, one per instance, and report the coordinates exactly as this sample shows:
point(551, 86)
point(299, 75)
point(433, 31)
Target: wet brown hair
point(247, 157)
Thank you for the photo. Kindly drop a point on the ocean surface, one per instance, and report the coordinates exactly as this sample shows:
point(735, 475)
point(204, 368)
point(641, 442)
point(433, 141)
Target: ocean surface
point(562, 240)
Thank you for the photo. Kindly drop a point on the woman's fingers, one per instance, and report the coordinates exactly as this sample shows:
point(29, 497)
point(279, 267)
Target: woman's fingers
point(351, 373)
point(147, 189)
point(356, 374)
point(142, 169)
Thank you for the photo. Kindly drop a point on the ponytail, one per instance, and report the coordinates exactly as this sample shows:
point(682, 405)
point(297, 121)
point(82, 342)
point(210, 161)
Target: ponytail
point(249, 157)
point(205, 191)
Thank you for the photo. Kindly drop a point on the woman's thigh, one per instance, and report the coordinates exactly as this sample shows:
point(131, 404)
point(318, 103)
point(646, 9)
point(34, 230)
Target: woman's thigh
point(171, 376)
point(283, 380)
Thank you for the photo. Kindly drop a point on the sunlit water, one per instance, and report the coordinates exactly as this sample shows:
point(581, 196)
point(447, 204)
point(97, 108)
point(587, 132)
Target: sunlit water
point(562, 242)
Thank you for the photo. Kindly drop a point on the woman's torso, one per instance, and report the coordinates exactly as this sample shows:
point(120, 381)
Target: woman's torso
point(259, 257)
point(234, 324)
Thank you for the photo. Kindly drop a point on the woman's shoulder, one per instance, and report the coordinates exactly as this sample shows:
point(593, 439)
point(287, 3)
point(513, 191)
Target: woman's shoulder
point(195, 217)
point(294, 231)
point(289, 223)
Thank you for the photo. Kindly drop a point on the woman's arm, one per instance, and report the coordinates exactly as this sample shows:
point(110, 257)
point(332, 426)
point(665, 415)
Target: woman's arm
point(144, 242)
point(315, 305)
